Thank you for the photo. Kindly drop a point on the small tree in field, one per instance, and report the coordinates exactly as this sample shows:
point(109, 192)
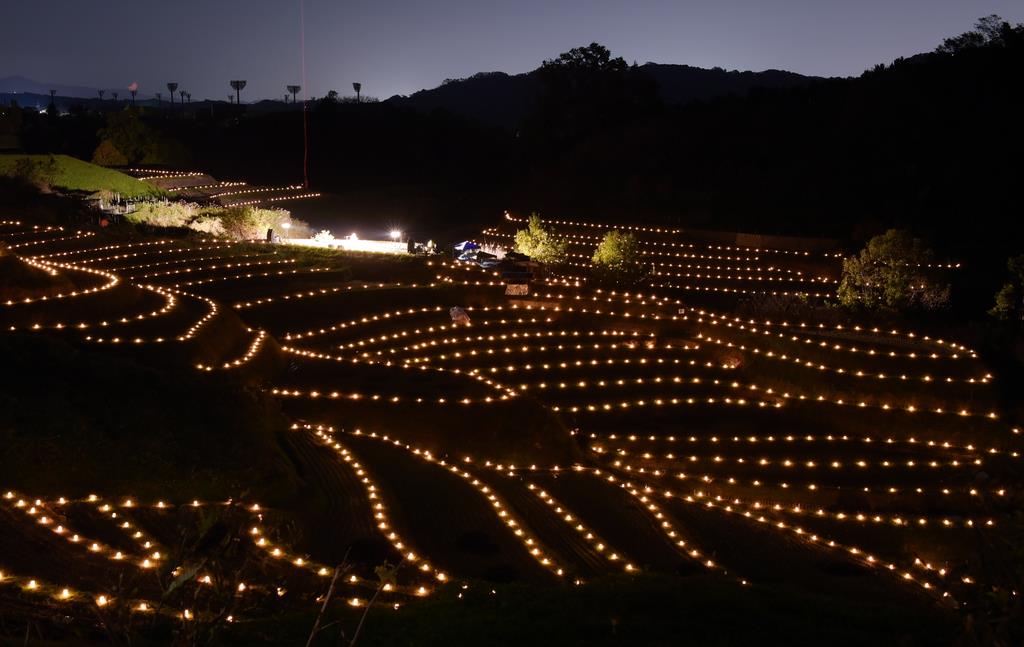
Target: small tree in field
point(891, 273)
point(539, 243)
point(1010, 298)
point(619, 257)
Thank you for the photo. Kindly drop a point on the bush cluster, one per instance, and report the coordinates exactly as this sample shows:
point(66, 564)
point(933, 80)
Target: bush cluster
point(240, 223)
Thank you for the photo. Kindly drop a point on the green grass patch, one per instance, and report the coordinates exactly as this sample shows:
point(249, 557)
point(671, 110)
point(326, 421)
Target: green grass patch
point(75, 175)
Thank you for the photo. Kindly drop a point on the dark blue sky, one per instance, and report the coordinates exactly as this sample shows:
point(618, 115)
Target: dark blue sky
point(400, 46)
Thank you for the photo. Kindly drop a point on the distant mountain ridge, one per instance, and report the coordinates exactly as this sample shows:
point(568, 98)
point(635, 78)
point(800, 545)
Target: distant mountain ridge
point(495, 98)
point(504, 99)
point(24, 85)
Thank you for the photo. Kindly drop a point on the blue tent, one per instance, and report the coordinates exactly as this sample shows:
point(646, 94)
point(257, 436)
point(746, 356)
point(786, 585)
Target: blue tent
point(466, 245)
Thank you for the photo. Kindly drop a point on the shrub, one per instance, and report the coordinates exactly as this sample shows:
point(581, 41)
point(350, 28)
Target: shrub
point(539, 243)
point(208, 223)
point(264, 219)
point(247, 223)
point(242, 223)
point(164, 213)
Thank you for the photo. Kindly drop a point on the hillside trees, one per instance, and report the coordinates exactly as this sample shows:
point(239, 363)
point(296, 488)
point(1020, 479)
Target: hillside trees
point(126, 140)
point(891, 273)
point(990, 31)
point(127, 134)
point(586, 90)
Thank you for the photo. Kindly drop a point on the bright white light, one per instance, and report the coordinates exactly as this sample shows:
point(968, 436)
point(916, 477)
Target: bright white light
point(353, 236)
point(378, 246)
point(286, 225)
point(395, 234)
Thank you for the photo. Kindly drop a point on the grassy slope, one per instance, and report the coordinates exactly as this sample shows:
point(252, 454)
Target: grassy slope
point(76, 175)
point(75, 420)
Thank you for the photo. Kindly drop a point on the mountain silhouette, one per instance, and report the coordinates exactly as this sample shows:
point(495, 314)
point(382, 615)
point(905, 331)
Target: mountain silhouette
point(502, 99)
point(25, 85)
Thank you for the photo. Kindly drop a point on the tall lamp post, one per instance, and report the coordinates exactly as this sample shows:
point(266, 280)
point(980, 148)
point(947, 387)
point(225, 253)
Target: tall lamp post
point(238, 86)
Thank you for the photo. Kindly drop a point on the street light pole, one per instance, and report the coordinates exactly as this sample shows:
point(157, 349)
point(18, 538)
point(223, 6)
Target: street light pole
point(238, 86)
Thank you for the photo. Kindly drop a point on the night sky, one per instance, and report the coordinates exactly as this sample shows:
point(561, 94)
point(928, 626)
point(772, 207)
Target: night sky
point(400, 46)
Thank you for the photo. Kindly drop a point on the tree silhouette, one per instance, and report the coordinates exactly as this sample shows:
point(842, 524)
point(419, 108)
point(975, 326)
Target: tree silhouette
point(358, 87)
point(159, 97)
point(114, 94)
point(293, 90)
point(182, 93)
point(128, 134)
point(990, 31)
point(171, 87)
point(592, 58)
point(188, 96)
point(586, 90)
point(101, 93)
point(133, 92)
point(238, 86)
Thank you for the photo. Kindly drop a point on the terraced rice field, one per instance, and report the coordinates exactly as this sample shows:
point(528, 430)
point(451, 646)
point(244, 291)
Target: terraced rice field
point(196, 185)
point(559, 437)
